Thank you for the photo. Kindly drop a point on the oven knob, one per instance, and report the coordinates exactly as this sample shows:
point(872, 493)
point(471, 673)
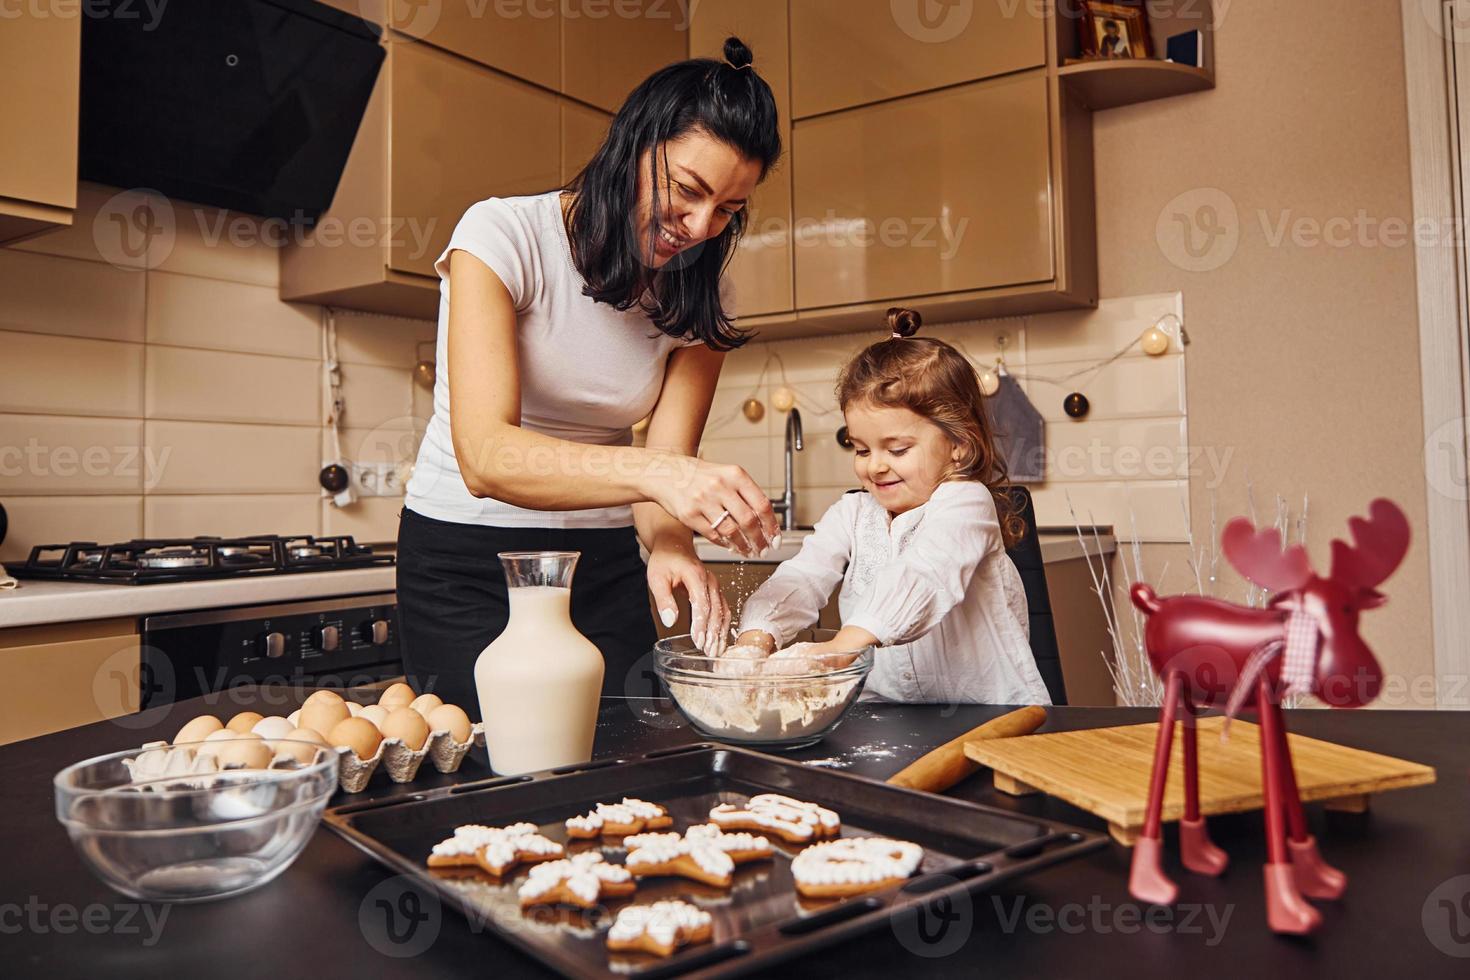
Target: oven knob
point(273, 645)
point(376, 632)
point(328, 638)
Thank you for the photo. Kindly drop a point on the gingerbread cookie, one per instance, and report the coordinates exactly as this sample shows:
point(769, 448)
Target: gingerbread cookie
point(791, 820)
point(660, 928)
point(581, 880)
point(741, 847)
point(494, 849)
point(701, 862)
point(839, 868)
point(619, 819)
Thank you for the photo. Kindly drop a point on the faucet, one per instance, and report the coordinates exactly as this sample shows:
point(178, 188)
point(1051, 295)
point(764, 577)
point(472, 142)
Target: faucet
point(785, 505)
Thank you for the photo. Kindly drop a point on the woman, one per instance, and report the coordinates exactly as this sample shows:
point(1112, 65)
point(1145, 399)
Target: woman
point(564, 318)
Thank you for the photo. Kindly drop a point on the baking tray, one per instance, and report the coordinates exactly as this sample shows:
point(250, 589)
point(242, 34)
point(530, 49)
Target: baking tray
point(760, 920)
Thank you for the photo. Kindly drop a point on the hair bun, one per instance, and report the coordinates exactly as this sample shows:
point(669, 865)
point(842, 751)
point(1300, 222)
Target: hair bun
point(903, 321)
point(736, 53)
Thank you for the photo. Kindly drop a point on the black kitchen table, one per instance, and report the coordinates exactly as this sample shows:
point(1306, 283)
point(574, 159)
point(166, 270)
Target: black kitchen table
point(1406, 913)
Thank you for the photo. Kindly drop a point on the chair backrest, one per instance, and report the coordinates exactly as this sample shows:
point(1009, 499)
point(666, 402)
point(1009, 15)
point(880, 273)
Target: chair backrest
point(1027, 556)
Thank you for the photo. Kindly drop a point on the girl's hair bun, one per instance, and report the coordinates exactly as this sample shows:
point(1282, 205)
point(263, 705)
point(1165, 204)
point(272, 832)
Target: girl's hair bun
point(736, 53)
point(903, 321)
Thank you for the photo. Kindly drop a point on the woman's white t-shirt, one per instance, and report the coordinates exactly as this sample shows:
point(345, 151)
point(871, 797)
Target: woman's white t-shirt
point(587, 371)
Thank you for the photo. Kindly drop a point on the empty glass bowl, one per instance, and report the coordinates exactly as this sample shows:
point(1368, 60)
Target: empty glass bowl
point(740, 701)
point(189, 837)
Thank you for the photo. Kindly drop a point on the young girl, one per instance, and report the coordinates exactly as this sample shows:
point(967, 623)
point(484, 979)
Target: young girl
point(921, 549)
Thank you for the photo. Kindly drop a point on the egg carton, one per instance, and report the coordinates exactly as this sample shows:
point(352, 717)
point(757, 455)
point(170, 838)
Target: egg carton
point(402, 762)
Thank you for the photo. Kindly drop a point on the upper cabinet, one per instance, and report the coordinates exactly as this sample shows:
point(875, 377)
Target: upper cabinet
point(846, 54)
point(607, 48)
point(40, 72)
point(943, 192)
point(762, 266)
point(521, 39)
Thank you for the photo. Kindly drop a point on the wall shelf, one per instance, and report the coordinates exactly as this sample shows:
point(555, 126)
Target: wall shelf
point(1109, 84)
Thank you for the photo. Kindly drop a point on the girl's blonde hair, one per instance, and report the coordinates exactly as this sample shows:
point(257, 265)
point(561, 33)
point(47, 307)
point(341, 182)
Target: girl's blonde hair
point(930, 378)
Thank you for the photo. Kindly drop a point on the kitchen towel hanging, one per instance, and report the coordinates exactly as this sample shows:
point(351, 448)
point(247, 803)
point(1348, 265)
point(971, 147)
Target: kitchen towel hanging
point(1020, 431)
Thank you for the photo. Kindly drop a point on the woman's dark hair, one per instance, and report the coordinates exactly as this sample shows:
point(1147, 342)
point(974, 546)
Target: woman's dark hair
point(731, 103)
point(930, 378)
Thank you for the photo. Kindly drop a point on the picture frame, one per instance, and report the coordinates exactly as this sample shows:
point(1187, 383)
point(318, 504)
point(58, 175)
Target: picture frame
point(1113, 31)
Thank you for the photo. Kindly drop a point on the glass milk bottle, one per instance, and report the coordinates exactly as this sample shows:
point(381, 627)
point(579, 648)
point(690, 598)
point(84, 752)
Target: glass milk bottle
point(539, 681)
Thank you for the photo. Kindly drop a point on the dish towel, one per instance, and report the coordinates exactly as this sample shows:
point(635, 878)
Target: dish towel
point(6, 582)
point(1020, 432)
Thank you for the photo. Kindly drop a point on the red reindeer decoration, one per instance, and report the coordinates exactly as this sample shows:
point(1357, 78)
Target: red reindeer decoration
point(1209, 652)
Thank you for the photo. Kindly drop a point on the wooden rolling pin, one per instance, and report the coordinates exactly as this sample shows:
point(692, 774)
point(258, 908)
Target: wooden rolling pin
point(939, 770)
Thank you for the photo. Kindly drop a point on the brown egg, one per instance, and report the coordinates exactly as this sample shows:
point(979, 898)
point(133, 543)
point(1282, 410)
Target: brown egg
point(198, 729)
point(426, 703)
point(323, 716)
point(215, 742)
point(244, 721)
point(295, 746)
point(399, 695)
point(450, 718)
point(320, 696)
point(376, 713)
point(247, 751)
point(357, 734)
point(407, 725)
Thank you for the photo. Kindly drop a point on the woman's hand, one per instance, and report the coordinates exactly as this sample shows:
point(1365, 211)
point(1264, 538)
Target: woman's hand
point(719, 502)
point(670, 568)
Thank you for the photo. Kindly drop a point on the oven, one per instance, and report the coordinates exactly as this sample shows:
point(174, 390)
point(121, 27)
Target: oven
point(338, 642)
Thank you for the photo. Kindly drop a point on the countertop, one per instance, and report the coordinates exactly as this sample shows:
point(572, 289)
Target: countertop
point(1056, 545)
point(38, 601)
point(1072, 920)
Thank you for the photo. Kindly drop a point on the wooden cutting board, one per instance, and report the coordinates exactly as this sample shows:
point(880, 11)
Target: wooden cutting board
point(1106, 771)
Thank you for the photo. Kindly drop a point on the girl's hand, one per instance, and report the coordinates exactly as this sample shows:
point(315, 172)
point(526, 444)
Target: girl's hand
point(719, 502)
point(709, 615)
point(759, 639)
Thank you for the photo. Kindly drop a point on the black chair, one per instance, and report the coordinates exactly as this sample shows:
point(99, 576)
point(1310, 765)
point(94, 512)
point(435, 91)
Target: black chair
point(1027, 556)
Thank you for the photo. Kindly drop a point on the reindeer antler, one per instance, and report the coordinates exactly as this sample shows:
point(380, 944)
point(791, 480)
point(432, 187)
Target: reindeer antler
point(1258, 556)
point(1379, 544)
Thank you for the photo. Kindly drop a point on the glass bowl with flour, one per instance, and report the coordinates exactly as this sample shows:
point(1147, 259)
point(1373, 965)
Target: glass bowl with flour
point(785, 701)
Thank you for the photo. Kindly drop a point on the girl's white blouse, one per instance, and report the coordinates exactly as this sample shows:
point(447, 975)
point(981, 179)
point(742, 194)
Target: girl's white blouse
point(934, 585)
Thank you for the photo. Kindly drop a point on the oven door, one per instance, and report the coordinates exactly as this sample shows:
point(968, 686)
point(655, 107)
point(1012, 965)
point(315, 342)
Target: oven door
point(337, 643)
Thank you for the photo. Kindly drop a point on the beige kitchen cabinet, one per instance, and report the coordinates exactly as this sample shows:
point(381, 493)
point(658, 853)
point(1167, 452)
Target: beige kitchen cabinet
point(607, 48)
point(40, 72)
point(846, 54)
point(761, 269)
point(521, 37)
point(67, 674)
point(439, 134)
point(582, 131)
point(942, 192)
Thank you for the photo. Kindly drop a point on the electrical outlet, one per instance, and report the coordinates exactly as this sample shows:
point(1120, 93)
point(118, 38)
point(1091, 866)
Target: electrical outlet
point(376, 479)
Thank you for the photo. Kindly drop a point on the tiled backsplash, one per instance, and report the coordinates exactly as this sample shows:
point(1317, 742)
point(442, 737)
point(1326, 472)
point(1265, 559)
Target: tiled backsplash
point(187, 398)
point(1128, 454)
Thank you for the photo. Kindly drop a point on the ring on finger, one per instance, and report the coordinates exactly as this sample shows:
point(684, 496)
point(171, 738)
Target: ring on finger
point(724, 516)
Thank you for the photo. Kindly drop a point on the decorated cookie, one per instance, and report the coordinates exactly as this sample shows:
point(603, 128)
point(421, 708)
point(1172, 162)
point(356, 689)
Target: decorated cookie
point(494, 849)
point(853, 866)
point(619, 819)
point(791, 820)
point(660, 928)
point(741, 847)
point(701, 862)
point(581, 880)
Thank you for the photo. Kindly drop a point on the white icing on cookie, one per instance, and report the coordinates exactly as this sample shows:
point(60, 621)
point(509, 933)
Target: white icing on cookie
point(502, 844)
point(630, 811)
point(856, 861)
point(664, 922)
point(710, 859)
point(794, 818)
point(736, 841)
point(583, 874)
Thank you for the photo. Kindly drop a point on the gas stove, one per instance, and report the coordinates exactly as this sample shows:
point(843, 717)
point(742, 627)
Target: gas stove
point(155, 560)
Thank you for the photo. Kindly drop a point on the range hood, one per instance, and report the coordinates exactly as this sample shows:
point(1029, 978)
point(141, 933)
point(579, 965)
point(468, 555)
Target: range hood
point(244, 104)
